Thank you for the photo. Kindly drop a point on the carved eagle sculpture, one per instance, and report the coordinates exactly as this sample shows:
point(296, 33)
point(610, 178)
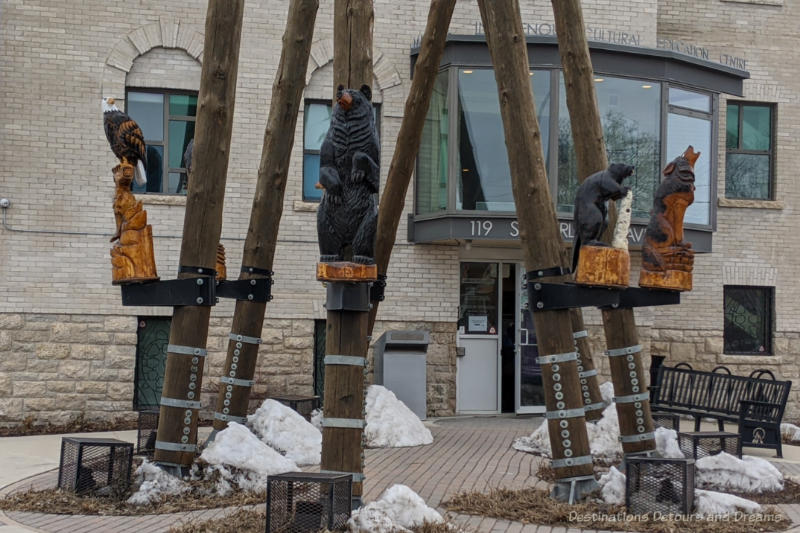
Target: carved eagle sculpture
point(126, 139)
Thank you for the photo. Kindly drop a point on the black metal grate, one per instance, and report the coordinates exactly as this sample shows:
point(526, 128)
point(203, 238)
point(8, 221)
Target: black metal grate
point(658, 485)
point(697, 444)
point(299, 502)
point(146, 429)
point(95, 466)
point(667, 420)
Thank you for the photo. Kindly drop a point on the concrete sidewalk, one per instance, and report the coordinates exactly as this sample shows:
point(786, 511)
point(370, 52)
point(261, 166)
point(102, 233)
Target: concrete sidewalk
point(468, 453)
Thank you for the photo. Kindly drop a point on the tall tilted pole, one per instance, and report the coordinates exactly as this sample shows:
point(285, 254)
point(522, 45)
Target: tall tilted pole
point(624, 350)
point(408, 138)
point(541, 246)
point(262, 235)
point(176, 440)
point(347, 301)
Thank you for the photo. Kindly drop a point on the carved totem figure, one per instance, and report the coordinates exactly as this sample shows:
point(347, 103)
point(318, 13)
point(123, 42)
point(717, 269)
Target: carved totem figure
point(350, 176)
point(668, 260)
point(594, 262)
point(132, 256)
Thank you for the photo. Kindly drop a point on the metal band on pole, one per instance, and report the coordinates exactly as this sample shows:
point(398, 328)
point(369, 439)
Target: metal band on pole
point(616, 352)
point(580, 334)
point(595, 406)
point(571, 461)
point(564, 413)
point(175, 446)
point(350, 360)
point(631, 398)
point(186, 350)
point(350, 423)
point(244, 338)
point(587, 373)
point(236, 381)
point(557, 358)
point(230, 418)
point(637, 438)
point(182, 404)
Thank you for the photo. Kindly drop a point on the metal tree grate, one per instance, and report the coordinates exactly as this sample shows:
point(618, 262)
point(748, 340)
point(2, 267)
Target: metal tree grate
point(658, 485)
point(697, 444)
point(95, 466)
point(299, 502)
point(146, 429)
point(667, 420)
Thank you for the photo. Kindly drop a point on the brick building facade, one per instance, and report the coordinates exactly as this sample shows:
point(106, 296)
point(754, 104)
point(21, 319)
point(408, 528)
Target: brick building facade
point(68, 346)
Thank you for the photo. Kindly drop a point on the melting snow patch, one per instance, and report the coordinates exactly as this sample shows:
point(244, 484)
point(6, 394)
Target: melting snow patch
point(239, 456)
point(607, 392)
point(390, 424)
point(397, 509)
point(287, 431)
point(154, 483)
point(316, 418)
point(710, 503)
point(667, 443)
point(749, 474)
point(790, 432)
point(613, 487)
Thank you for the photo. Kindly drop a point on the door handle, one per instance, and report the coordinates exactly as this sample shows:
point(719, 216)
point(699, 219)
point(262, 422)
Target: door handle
point(461, 351)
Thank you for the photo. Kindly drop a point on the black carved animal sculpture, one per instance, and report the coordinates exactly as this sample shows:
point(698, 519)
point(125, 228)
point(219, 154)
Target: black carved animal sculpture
point(590, 205)
point(350, 175)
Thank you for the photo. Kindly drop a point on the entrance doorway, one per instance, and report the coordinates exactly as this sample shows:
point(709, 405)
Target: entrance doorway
point(496, 369)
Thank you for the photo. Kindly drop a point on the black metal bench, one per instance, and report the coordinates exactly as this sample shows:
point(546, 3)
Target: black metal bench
point(756, 402)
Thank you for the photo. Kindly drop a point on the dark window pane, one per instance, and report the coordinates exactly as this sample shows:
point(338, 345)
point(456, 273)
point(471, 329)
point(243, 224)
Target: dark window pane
point(147, 109)
point(317, 119)
point(155, 170)
point(630, 111)
point(748, 320)
point(180, 133)
point(683, 131)
point(689, 99)
point(478, 311)
point(431, 188)
point(747, 176)
point(756, 127)
point(183, 104)
point(311, 177)
point(732, 127)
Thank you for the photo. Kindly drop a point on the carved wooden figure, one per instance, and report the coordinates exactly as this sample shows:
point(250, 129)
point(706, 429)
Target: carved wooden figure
point(595, 262)
point(350, 175)
point(132, 256)
point(222, 271)
point(668, 260)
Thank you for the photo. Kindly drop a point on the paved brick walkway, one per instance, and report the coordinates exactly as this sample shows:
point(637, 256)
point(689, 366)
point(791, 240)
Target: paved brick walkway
point(467, 454)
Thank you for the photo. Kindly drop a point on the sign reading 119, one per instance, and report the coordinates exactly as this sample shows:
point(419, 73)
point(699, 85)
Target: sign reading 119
point(481, 228)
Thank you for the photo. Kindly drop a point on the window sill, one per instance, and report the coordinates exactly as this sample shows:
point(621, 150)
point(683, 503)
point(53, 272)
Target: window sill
point(758, 2)
point(748, 359)
point(162, 199)
point(753, 204)
point(300, 205)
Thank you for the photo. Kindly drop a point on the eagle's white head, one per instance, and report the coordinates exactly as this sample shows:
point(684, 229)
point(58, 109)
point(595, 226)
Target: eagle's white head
point(108, 105)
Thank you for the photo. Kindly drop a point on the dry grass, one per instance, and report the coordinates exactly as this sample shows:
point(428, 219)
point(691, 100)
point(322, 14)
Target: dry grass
point(536, 507)
point(789, 494)
point(56, 501)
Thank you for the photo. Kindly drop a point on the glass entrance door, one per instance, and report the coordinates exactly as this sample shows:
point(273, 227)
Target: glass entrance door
point(530, 391)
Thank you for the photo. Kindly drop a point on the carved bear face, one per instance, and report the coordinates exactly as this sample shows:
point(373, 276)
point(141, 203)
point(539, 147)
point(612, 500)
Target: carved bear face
point(619, 171)
point(354, 101)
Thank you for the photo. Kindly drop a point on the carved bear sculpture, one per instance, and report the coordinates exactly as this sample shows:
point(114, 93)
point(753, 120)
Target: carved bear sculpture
point(349, 173)
point(590, 205)
point(664, 249)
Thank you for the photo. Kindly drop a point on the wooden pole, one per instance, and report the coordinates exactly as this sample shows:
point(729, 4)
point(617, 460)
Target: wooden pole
point(262, 234)
point(630, 391)
point(541, 245)
point(176, 441)
point(409, 137)
point(347, 302)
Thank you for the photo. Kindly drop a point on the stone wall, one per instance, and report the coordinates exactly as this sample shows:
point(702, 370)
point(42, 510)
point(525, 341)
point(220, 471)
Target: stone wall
point(54, 367)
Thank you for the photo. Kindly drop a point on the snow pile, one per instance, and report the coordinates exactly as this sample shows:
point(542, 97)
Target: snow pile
point(603, 439)
point(153, 484)
point(390, 424)
point(316, 418)
point(239, 456)
point(790, 432)
point(710, 503)
point(287, 431)
point(667, 443)
point(613, 487)
point(749, 474)
point(607, 392)
point(397, 509)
